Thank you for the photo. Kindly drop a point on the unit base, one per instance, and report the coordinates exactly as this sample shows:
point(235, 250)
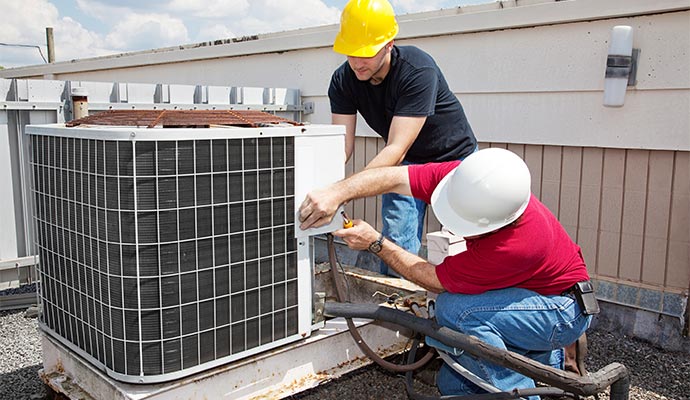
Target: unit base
point(328, 353)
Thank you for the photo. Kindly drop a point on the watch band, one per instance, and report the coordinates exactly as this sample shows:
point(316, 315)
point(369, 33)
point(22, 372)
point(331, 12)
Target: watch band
point(376, 246)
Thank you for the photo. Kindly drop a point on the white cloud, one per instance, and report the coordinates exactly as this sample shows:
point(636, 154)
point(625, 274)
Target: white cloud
point(131, 25)
point(116, 26)
point(25, 22)
point(279, 15)
point(214, 9)
point(214, 32)
point(109, 11)
point(411, 6)
point(145, 31)
point(161, 23)
point(230, 18)
point(73, 41)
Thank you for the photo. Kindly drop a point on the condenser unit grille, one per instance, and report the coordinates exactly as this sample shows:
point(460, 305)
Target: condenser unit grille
point(161, 256)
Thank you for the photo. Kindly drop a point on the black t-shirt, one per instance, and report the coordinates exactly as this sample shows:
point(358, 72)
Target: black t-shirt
point(414, 87)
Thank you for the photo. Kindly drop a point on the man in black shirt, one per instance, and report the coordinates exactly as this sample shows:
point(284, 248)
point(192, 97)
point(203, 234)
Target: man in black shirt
point(402, 95)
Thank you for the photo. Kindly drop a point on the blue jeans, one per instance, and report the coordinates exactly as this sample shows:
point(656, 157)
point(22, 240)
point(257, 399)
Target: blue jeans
point(403, 222)
point(514, 319)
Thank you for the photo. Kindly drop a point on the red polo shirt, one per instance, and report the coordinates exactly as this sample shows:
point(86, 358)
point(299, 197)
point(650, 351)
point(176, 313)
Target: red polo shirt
point(535, 254)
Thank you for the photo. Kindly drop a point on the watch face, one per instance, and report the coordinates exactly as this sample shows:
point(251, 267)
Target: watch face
point(375, 247)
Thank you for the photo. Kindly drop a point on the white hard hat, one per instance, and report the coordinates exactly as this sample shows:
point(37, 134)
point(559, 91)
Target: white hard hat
point(487, 191)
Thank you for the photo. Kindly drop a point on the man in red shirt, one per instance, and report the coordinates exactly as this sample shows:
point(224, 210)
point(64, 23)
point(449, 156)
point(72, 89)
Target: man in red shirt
point(514, 286)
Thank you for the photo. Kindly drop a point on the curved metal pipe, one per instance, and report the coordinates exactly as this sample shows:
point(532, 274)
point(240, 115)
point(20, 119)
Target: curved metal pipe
point(614, 374)
point(340, 294)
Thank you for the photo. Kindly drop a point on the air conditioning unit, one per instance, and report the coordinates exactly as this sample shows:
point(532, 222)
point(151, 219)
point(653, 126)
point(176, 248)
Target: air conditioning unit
point(168, 251)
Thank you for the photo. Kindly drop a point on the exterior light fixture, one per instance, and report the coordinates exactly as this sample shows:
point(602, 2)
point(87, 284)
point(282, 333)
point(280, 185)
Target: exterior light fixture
point(621, 66)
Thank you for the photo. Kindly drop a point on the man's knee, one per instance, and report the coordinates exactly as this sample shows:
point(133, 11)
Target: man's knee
point(449, 309)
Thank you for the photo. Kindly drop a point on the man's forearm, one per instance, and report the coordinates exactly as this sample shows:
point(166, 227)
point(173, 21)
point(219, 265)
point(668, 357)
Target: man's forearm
point(319, 206)
point(389, 156)
point(411, 267)
point(360, 237)
point(372, 182)
point(402, 134)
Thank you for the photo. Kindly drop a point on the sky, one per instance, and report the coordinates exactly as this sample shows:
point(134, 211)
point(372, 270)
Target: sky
point(90, 28)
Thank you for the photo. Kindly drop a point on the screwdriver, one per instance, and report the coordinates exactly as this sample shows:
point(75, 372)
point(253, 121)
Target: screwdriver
point(347, 222)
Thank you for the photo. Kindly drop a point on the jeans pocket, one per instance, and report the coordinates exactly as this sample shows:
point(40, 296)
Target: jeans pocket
point(567, 332)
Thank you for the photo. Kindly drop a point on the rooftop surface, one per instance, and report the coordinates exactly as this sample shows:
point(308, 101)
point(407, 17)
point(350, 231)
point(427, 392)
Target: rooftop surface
point(656, 374)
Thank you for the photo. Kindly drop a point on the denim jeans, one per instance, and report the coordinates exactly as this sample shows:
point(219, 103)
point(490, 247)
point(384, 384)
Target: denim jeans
point(514, 319)
point(403, 222)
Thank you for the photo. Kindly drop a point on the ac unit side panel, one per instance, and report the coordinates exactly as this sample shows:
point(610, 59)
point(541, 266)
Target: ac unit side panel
point(319, 161)
point(163, 258)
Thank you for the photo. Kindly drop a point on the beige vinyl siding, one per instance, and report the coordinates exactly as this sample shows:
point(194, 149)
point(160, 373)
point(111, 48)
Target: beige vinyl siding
point(628, 209)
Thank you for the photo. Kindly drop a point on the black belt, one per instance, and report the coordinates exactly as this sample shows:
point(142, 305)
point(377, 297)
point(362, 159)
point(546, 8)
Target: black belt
point(584, 294)
point(569, 291)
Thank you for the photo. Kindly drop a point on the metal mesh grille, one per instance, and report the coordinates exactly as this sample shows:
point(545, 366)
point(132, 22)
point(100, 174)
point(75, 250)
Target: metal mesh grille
point(161, 256)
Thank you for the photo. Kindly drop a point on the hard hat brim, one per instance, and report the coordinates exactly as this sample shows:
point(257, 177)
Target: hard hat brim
point(343, 47)
point(441, 204)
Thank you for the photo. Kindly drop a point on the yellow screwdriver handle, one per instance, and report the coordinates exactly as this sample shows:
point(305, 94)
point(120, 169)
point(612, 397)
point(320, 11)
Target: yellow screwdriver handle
point(347, 222)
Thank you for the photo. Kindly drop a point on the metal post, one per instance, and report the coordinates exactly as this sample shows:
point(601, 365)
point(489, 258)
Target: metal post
point(80, 102)
point(50, 44)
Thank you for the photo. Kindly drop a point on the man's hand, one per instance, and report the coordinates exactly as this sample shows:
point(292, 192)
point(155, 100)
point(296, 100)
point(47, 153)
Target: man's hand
point(360, 236)
point(318, 208)
point(410, 266)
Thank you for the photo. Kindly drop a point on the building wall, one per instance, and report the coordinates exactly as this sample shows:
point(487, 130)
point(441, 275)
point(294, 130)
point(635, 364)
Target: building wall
point(530, 76)
point(531, 73)
point(628, 209)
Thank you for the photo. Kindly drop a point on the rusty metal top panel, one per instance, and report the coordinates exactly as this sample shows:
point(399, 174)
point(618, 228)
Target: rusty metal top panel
point(182, 118)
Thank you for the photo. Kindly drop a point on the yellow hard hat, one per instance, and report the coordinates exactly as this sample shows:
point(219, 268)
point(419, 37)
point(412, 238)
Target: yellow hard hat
point(365, 27)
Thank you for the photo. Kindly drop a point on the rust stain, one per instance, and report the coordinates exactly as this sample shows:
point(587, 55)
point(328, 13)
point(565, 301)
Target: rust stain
point(183, 118)
point(314, 379)
point(295, 386)
point(58, 366)
point(63, 384)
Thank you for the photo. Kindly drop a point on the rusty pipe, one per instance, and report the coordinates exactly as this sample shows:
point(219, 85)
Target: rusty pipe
point(340, 294)
point(614, 374)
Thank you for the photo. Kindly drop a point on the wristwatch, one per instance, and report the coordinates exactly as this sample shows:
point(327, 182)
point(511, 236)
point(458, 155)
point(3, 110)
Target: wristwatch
point(376, 245)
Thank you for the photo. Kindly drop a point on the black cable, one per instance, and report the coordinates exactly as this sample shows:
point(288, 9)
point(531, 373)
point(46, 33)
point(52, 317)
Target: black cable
point(516, 394)
point(614, 375)
point(26, 45)
point(337, 281)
